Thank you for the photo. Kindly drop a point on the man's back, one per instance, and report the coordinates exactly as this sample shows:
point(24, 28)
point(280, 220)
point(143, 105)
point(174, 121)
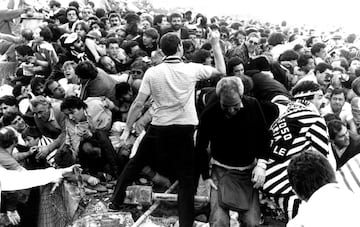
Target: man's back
point(298, 129)
point(172, 86)
point(102, 85)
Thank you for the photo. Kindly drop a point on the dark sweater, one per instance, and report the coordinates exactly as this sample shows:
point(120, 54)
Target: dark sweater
point(352, 150)
point(235, 141)
point(266, 88)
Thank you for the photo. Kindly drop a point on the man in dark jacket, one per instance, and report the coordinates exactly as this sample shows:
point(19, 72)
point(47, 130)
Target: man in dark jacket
point(235, 127)
point(177, 26)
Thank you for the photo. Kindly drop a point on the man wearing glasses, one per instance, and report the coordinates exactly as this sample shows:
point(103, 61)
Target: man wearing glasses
point(248, 50)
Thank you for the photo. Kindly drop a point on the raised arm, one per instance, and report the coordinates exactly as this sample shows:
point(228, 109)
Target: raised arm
point(214, 37)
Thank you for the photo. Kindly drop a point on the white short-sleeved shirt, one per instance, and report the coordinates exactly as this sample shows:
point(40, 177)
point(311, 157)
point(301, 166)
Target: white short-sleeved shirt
point(172, 87)
point(331, 205)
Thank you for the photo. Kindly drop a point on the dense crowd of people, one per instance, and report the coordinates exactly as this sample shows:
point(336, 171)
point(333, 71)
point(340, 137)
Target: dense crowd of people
point(257, 111)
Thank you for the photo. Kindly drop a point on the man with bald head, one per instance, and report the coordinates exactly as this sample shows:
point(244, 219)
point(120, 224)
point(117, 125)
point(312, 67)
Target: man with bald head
point(235, 128)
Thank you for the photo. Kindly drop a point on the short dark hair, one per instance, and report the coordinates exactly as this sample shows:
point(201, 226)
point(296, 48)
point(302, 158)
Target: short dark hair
point(72, 102)
point(100, 13)
point(276, 38)
point(74, 8)
point(17, 90)
point(128, 45)
point(47, 91)
point(100, 23)
point(35, 82)
point(122, 89)
point(298, 47)
point(303, 60)
point(169, 43)
point(309, 171)
point(112, 40)
point(114, 14)
point(200, 56)
point(317, 47)
point(206, 46)
point(309, 41)
point(289, 55)
point(24, 50)
point(8, 117)
point(334, 127)
point(174, 15)
point(322, 66)
point(86, 70)
point(152, 32)
point(9, 100)
point(46, 34)
point(337, 91)
point(234, 61)
point(304, 87)
point(54, 3)
point(132, 18)
point(158, 18)
point(235, 25)
point(74, 4)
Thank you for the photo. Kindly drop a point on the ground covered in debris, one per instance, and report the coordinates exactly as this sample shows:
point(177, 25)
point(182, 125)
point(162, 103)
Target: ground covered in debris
point(95, 212)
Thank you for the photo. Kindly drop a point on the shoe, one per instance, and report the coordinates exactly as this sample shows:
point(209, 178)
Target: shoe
point(113, 207)
point(161, 180)
point(98, 187)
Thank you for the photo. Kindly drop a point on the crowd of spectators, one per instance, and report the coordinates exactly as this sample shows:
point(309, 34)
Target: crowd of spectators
point(78, 74)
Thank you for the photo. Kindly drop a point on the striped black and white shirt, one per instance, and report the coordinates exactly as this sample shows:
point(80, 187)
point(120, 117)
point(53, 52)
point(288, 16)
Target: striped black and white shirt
point(298, 129)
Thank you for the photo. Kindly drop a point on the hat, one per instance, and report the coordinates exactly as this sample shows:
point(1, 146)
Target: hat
point(71, 38)
point(94, 34)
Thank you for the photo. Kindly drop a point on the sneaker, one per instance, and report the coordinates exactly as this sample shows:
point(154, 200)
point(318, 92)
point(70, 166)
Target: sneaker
point(113, 207)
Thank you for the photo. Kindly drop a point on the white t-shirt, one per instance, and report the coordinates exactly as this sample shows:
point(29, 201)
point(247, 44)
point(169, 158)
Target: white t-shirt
point(172, 87)
point(330, 206)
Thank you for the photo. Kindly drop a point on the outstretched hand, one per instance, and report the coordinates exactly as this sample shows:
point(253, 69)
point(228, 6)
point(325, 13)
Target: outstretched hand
point(258, 176)
point(214, 36)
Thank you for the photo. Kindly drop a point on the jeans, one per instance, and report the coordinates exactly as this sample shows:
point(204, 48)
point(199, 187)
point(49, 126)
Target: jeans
point(219, 216)
point(170, 149)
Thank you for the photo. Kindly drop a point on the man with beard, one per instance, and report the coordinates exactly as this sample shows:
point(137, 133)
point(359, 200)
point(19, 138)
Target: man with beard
point(177, 26)
point(341, 108)
point(75, 49)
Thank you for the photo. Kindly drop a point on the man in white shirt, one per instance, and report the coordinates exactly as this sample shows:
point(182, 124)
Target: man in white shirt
point(326, 202)
point(341, 108)
point(171, 85)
